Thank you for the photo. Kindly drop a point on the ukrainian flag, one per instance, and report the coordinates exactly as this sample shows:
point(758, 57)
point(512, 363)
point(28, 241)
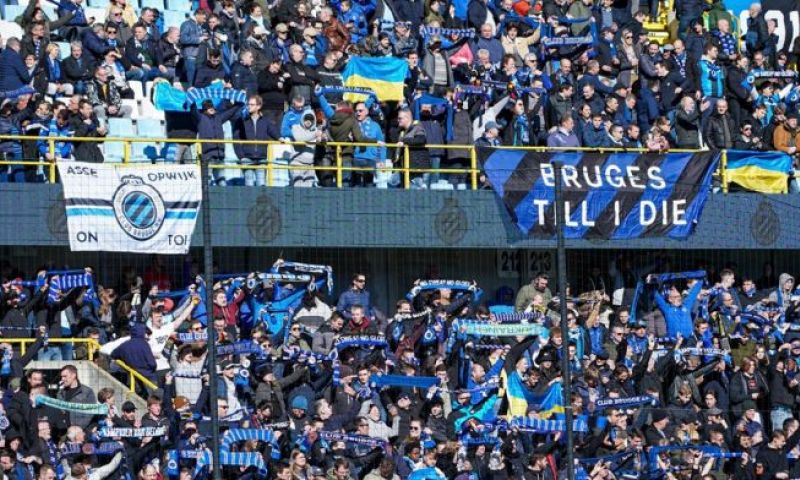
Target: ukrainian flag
point(516, 394)
point(765, 172)
point(384, 75)
point(553, 402)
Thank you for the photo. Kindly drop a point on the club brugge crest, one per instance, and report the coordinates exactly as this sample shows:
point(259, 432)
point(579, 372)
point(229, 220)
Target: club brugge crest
point(139, 208)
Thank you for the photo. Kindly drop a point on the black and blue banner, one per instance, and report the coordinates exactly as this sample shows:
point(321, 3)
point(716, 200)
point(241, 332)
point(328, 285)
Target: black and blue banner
point(615, 196)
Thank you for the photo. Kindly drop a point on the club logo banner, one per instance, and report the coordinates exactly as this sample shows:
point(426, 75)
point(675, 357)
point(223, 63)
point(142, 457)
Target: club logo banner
point(151, 209)
point(613, 196)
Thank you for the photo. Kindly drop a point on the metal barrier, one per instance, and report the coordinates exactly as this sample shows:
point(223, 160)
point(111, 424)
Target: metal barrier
point(133, 376)
point(91, 344)
point(92, 348)
point(473, 171)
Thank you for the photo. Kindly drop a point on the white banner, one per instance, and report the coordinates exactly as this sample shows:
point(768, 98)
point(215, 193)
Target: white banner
point(112, 208)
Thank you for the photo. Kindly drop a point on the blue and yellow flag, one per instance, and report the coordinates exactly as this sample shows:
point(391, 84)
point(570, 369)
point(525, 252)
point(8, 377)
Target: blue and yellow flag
point(765, 172)
point(516, 394)
point(385, 76)
point(553, 402)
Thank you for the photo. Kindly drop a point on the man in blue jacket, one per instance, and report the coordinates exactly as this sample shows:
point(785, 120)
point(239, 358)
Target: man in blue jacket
point(367, 156)
point(254, 126)
point(294, 115)
point(192, 35)
point(13, 74)
point(677, 311)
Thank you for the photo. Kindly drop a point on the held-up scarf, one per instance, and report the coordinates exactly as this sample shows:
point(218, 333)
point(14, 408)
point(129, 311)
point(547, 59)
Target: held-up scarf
point(337, 89)
point(245, 459)
point(376, 381)
point(564, 41)
point(312, 268)
point(141, 432)
point(461, 285)
point(87, 408)
point(427, 32)
point(191, 337)
point(752, 76)
point(276, 277)
point(623, 402)
point(482, 329)
point(703, 351)
point(516, 317)
point(238, 348)
point(543, 426)
point(354, 439)
point(106, 448)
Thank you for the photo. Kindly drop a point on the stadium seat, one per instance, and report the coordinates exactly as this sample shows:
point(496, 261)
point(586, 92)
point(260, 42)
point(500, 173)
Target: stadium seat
point(173, 18)
point(149, 111)
point(150, 128)
point(157, 4)
point(148, 89)
point(114, 151)
point(134, 107)
point(99, 14)
point(179, 5)
point(138, 89)
point(10, 29)
point(120, 127)
point(65, 49)
point(10, 12)
point(141, 152)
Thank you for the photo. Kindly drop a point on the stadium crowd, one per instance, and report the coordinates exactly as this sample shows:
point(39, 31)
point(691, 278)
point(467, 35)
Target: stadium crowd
point(561, 73)
point(685, 375)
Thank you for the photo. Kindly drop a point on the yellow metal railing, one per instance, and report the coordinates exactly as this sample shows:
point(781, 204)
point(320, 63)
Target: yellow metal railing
point(133, 376)
point(271, 166)
point(91, 344)
point(92, 347)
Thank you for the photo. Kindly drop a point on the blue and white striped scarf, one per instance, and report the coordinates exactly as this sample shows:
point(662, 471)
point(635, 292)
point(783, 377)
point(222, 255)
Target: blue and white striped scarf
point(243, 459)
point(236, 435)
point(543, 426)
point(216, 94)
point(483, 329)
point(428, 32)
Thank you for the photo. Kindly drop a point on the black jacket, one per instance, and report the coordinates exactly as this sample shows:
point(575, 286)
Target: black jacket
point(720, 132)
point(687, 129)
point(247, 129)
point(73, 71)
